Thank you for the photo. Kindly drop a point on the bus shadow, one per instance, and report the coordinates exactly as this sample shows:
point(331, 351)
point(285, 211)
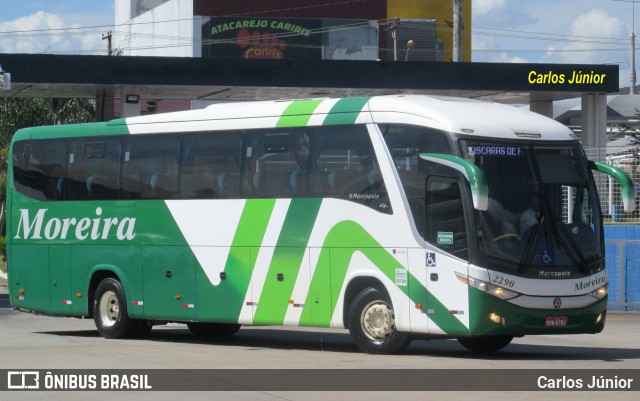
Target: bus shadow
point(261, 338)
point(525, 352)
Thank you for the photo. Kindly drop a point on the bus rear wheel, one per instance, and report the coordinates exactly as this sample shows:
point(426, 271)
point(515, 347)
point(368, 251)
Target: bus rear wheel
point(110, 311)
point(485, 344)
point(213, 329)
point(372, 323)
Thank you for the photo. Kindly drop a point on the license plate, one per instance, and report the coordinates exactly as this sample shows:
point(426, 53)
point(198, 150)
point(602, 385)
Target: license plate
point(556, 321)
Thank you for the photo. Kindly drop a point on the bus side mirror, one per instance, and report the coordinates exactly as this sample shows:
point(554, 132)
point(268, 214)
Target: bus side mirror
point(626, 185)
point(472, 173)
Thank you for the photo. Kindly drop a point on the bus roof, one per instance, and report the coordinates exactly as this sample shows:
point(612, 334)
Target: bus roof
point(469, 116)
point(458, 115)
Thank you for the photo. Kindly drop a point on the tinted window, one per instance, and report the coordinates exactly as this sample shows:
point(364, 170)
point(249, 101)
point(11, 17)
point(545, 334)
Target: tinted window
point(211, 166)
point(445, 224)
point(277, 163)
point(405, 143)
point(93, 169)
point(335, 161)
point(39, 168)
point(344, 165)
point(150, 167)
point(20, 157)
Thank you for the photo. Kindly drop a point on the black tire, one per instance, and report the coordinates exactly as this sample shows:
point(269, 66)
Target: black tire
point(485, 344)
point(110, 310)
point(213, 329)
point(372, 326)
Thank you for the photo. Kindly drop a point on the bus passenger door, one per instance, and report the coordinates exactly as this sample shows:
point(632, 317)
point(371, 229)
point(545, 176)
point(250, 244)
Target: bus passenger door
point(446, 230)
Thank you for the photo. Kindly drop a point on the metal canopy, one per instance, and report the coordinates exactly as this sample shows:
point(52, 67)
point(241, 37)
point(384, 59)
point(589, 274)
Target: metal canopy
point(46, 75)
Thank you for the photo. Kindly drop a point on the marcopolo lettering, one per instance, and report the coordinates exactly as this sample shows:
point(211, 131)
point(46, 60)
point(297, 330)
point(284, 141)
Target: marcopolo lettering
point(54, 228)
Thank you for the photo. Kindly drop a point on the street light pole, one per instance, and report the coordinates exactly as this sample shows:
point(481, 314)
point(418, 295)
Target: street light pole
point(632, 40)
point(108, 37)
point(457, 30)
point(632, 62)
point(410, 45)
point(393, 27)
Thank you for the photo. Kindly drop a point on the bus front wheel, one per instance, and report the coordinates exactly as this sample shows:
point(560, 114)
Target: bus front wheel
point(110, 311)
point(485, 344)
point(372, 323)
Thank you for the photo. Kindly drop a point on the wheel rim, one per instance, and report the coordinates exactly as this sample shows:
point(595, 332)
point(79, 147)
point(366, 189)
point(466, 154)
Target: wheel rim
point(109, 308)
point(378, 321)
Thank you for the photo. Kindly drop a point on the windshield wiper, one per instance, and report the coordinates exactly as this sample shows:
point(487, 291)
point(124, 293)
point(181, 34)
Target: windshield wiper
point(569, 246)
point(532, 243)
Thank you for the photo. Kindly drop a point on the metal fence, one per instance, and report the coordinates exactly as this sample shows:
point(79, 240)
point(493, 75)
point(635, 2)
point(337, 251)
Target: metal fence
point(623, 271)
point(622, 230)
point(609, 189)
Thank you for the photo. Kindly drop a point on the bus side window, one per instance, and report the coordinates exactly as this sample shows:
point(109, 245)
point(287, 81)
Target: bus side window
point(161, 165)
point(131, 186)
point(103, 168)
point(46, 168)
point(445, 224)
point(151, 167)
point(344, 166)
point(21, 177)
point(252, 152)
point(276, 162)
point(211, 166)
point(227, 159)
point(405, 143)
point(75, 184)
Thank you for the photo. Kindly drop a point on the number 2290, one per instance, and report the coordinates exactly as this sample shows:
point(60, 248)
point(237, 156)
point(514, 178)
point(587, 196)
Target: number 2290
point(505, 282)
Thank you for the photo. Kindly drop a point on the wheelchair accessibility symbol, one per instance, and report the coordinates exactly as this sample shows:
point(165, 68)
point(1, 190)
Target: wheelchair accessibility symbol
point(431, 259)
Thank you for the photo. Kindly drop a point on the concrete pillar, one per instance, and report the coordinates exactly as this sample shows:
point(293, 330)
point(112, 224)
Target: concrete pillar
point(129, 107)
point(544, 107)
point(104, 105)
point(594, 120)
point(594, 137)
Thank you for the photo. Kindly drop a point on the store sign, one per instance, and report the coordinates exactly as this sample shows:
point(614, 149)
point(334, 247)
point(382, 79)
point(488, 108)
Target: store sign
point(261, 38)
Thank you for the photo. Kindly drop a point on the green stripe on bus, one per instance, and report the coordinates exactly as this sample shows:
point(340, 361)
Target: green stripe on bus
point(345, 111)
point(251, 231)
point(298, 113)
point(331, 272)
point(78, 130)
point(253, 222)
point(287, 261)
point(441, 315)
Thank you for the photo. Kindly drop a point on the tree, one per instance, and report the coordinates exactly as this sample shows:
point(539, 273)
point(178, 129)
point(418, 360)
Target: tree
point(16, 113)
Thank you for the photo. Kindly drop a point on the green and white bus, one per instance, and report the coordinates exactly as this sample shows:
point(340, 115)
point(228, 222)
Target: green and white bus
point(392, 216)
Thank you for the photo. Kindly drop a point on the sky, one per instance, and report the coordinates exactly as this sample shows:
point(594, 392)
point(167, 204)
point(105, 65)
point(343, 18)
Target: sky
point(511, 31)
point(555, 31)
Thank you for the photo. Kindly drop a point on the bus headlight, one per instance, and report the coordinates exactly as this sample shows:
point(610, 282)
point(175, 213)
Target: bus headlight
point(600, 292)
point(496, 291)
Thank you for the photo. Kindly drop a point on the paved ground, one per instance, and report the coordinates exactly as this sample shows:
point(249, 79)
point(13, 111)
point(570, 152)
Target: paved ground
point(29, 341)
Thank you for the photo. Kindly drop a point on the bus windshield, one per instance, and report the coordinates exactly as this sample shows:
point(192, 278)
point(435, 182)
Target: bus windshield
point(543, 216)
